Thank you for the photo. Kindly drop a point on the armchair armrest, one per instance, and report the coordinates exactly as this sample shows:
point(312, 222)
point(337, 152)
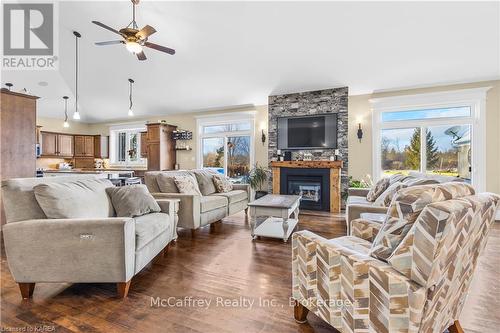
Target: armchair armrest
point(189, 208)
point(244, 187)
point(171, 207)
point(351, 290)
point(353, 211)
point(360, 192)
point(71, 250)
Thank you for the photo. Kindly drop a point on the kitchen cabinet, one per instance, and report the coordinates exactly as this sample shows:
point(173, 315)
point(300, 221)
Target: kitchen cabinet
point(56, 144)
point(49, 144)
point(84, 146)
point(101, 146)
point(160, 147)
point(65, 145)
point(144, 144)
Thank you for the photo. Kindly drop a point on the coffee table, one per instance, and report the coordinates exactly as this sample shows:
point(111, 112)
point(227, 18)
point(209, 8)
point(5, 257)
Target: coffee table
point(278, 209)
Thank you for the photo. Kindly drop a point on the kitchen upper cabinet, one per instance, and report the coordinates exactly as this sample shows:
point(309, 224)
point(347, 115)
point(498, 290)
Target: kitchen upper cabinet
point(65, 145)
point(79, 145)
point(101, 146)
point(49, 144)
point(89, 146)
point(84, 145)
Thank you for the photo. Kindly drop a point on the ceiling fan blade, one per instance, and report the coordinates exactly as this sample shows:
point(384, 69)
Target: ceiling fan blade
point(111, 42)
point(102, 25)
point(160, 48)
point(145, 32)
point(141, 56)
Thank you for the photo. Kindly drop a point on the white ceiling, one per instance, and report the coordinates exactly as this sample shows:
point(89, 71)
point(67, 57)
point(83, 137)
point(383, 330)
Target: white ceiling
point(231, 54)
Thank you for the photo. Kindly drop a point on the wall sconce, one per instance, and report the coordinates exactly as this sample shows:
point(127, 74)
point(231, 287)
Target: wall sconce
point(263, 137)
point(360, 132)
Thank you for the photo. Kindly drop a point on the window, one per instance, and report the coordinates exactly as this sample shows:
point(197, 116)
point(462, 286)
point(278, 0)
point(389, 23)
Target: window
point(227, 145)
point(437, 133)
point(125, 145)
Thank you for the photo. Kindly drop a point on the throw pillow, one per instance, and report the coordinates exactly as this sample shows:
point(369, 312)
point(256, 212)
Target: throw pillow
point(132, 200)
point(406, 206)
point(166, 182)
point(384, 200)
point(378, 189)
point(84, 198)
point(187, 185)
point(205, 182)
point(222, 184)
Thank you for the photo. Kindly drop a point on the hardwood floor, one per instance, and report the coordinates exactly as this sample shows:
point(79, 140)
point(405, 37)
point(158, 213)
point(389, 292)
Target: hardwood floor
point(219, 262)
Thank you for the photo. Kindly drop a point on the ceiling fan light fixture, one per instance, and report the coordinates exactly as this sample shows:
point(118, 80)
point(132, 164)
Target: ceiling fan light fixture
point(133, 47)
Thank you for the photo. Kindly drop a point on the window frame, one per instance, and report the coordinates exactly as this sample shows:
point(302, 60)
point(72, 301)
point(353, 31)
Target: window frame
point(114, 142)
point(474, 98)
point(225, 119)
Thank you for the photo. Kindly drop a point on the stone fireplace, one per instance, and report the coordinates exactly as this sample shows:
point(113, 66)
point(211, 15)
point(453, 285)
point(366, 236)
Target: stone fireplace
point(311, 103)
point(312, 184)
point(318, 182)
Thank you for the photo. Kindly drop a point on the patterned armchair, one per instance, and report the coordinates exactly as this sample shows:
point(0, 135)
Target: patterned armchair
point(415, 275)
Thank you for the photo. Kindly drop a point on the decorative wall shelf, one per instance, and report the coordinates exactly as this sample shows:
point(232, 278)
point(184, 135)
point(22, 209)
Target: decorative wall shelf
point(182, 135)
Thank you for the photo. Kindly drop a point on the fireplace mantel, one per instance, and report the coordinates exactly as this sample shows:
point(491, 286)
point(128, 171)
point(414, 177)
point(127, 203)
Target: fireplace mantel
point(334, 166)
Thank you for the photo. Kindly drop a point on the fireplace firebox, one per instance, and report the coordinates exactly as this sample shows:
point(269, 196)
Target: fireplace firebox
point(312, 184)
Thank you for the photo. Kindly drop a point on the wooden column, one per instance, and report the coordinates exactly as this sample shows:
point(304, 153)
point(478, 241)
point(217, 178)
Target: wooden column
point(335, 196)
point(276, 180)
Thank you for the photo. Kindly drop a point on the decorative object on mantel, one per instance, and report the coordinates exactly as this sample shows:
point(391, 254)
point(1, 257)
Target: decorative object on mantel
point(337, 153)
point(307, 157)
point(288, 156)
point(76, 114)
point(182, 135)
point(65, 124)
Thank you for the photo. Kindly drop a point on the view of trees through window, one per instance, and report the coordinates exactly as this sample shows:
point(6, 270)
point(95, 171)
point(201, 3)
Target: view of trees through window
point(226, 150)
point(447, 150)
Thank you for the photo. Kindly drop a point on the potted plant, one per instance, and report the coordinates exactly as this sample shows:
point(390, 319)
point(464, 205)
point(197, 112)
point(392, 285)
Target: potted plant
point(257, 178)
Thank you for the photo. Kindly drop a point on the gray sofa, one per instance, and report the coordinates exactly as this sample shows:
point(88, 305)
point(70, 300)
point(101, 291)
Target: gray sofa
point(357, 202)
point(87, 249)
point(196, 211)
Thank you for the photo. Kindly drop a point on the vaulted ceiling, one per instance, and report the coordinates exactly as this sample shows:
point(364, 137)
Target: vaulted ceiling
point(232, 54)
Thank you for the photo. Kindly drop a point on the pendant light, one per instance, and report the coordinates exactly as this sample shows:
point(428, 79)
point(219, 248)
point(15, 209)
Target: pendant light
point(65, 124)
point(130, 110)
point(76, 114)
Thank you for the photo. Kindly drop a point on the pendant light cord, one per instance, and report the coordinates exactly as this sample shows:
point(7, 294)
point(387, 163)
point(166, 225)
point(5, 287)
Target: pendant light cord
point(76, 74)
point(130, 95)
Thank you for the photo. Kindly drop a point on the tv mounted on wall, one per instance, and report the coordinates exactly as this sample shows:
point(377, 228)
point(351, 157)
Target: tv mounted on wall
point(308, 132)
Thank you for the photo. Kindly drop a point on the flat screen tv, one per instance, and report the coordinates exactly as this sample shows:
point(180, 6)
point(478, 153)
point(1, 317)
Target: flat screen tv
point(307, 132)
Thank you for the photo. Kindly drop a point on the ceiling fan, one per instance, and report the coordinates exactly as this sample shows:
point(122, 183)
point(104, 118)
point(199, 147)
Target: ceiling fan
point(133, 37)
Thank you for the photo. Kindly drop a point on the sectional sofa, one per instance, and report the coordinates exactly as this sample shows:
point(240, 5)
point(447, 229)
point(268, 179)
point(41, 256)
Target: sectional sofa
point(196, 211)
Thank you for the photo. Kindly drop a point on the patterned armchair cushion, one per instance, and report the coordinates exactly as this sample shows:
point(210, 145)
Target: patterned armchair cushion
point(406, 207)
point(384, 199)
point(365, 229)
point(350, 290)
point(378, 189)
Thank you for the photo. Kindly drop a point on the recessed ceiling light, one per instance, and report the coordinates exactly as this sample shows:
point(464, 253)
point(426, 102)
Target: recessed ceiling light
point(43, 83)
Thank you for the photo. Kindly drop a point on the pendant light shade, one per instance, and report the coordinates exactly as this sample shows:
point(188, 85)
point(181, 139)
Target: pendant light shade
point(66, 123)
point(130, 110)
point(76, 114)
